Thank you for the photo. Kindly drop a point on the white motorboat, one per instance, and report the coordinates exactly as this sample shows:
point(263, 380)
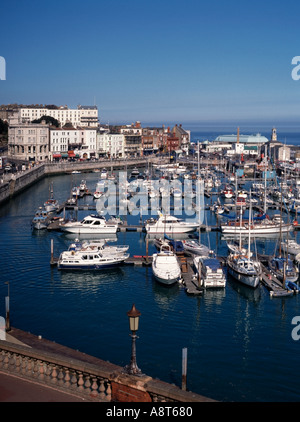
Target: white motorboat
point(177, 193)
point(194, 247)
point(210, 271)
point(99, 245)
point(91, 224)
point(169, 224)
point(82, 186)
point(97, 194)
point(165, 267)
point(290, 246)
point(228, 192)
point(40, 220)
point(89, 260)
point(135, 172)
point(242, 194)
point(75, 191)
point(103, 174)
point(71, 202)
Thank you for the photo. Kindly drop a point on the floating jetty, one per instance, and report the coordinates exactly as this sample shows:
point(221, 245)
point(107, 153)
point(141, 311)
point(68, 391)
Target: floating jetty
point(271, 282)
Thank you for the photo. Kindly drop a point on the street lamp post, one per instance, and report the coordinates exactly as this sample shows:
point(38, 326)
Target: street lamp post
point(133, 316)
point(7, 320)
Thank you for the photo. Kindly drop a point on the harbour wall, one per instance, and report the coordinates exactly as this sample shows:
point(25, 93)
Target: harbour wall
point(13, 184)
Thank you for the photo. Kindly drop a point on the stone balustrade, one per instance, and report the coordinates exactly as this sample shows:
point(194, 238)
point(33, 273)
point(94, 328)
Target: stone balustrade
point(67, 375)
point(102, 382)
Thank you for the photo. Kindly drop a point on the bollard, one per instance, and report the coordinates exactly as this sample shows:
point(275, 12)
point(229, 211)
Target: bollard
point(184, 368)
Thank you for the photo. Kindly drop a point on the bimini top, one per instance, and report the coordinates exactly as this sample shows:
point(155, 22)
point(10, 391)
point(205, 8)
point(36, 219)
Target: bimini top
point(244, 139)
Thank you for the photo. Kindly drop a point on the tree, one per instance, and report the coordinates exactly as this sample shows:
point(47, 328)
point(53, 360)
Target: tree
point(47, 119)
point(3, 127)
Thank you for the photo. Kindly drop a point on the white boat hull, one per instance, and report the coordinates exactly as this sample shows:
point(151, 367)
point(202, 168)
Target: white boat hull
point(166, 268)
point(39, 225)
point(77, 229)
point(258, 230)
point(248, 280)
point(97, 264)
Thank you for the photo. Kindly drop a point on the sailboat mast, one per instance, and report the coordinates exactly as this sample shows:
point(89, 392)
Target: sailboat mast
point(265, 191)
point(199, 191)
point(280, 236)
point(249, 228)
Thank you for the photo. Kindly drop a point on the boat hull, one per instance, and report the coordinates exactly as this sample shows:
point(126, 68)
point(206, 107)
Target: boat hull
point(248, 280)
point(262, 230)
point(89, 230)
point(67, 263)
point(91, 267)
point(169, 230)
point(39, 225)
point(167, 282)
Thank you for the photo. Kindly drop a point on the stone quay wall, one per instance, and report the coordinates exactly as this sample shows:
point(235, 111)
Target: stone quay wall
point(13, 184)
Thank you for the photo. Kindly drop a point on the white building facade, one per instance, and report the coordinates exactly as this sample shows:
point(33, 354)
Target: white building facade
point(70, 142)
point(83, 116)
point(111, 144)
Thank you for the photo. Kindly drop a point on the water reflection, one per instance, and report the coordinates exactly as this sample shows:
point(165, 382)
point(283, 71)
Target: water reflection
point(105, 237)
point(253, 295)
point(165, 296)
point(90, 280)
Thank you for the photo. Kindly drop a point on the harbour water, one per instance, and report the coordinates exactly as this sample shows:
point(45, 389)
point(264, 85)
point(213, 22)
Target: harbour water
point(239, 340)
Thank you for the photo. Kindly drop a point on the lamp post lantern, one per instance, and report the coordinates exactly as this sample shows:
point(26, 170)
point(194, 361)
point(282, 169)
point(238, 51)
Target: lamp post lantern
point(134, 316)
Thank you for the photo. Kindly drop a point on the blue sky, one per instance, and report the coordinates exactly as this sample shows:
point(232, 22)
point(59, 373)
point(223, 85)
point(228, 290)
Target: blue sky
point(155, 61)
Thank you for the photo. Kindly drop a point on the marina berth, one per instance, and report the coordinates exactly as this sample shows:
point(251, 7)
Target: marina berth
point(91, 224)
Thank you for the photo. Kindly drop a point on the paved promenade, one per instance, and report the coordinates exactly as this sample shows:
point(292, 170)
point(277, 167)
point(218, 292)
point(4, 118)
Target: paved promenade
point(14, 389)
